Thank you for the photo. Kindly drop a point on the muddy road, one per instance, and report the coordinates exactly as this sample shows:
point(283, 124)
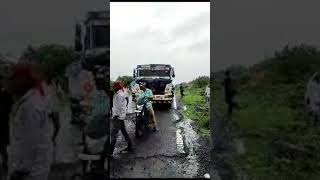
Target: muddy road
point(176, 150)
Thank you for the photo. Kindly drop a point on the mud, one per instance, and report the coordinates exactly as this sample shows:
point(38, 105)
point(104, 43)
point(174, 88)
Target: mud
point(175, 151)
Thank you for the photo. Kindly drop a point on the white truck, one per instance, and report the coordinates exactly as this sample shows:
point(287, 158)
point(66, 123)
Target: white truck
point(92, 46)
point(159, 78)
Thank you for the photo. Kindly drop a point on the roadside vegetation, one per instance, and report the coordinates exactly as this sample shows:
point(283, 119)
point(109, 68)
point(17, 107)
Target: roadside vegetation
point(52, 59)
point(194, 100)
point(280, 142)
point(126, 80)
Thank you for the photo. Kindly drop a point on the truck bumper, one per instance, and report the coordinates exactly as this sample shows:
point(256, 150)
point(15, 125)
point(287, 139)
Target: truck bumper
point(162, 99)
point(162, 102)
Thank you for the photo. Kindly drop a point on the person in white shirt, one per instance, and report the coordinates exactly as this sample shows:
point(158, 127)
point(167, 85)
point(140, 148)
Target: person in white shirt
point(119, 111)
point(312, 98)
point(207, 93)
point(31, 131)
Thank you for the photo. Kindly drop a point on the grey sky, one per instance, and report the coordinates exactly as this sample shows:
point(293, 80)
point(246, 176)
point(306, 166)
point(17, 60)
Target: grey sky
point(41, 21)
point(169, 33)
point(246, 31)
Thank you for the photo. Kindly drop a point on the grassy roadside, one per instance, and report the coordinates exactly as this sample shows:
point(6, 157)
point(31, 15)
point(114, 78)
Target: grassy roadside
point(278, 143)
point(197, 108)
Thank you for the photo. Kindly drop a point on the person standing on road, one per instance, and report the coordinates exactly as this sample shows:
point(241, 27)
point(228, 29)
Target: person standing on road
point(147, 93)
point(207, 93)
point(126, 94)
point(135, 88)
point(312, 98)
point(97, 128)
point(50, 89)
point(119, 111)
point(5, 108)
point(229, 94)
point(31, 149)
point(181, 90)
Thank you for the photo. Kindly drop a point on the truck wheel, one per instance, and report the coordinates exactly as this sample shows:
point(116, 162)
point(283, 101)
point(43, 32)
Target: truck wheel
point(169, 104)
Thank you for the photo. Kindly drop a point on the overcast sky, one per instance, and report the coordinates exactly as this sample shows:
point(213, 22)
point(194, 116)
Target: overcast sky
point(41, 21)
point(246, 31)
point(169, 33)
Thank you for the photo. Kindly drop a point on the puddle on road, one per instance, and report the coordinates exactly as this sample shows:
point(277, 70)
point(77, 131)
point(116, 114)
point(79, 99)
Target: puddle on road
point(174, 103)
point(186, 144)
point(180, 145)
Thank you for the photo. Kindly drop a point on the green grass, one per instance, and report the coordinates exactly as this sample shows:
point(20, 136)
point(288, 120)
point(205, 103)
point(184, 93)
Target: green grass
point(197, 108)
point(264, 116)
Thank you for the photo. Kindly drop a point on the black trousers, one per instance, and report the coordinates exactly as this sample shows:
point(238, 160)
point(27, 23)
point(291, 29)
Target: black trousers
point(4, 155)
point(118, 125)
point(231, 105)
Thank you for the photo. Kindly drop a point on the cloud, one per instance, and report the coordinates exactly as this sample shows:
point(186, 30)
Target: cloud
point(41, 21)
point(192, 26)
point(168, 33)
point(202, 45)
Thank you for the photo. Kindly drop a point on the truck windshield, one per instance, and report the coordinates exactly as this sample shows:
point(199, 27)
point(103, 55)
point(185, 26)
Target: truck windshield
point(161, 73)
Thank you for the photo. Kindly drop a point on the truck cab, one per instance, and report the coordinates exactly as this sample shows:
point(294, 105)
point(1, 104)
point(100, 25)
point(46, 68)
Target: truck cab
point(92, 42)
point(89, 72)
point(159, 78)
point(92, 49)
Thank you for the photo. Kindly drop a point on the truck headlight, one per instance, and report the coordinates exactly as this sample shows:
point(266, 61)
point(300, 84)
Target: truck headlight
point(168, 88)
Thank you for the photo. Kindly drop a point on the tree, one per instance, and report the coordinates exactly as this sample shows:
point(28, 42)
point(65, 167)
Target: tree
point(126, 80)
point(201, 81)
point(53, 59)
point(295, 51)
point(28, 53)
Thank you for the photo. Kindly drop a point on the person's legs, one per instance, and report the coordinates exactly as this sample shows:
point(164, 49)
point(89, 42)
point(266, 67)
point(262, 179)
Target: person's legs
point(4, 156)
point(104, 154)
point(153, 117)
point(114, 135)
point(2, 171)
point(230, 108)
point(125, 133)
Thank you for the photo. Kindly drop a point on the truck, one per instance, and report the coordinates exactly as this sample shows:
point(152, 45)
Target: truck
point(92, 49)
point(93, 46)
point(159, 78)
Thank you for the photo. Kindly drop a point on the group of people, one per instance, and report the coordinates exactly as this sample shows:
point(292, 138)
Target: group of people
point(29, 124)
point(30, 112)
point(119, 112)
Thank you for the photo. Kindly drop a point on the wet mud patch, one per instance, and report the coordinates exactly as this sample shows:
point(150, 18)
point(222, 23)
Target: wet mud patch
point(197, 147)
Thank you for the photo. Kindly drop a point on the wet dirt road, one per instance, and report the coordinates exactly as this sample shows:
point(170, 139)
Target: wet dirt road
point(170, 152)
